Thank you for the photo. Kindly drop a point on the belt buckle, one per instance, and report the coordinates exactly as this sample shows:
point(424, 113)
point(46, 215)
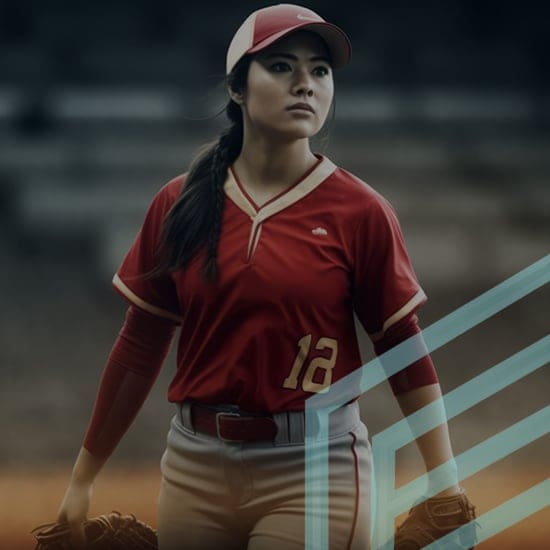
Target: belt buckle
point(225, 413)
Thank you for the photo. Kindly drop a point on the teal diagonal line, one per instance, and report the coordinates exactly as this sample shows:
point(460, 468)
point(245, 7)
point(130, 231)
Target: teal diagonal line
point(386, 443)
point(488, 304)
point(476, 458)
point(467, 395)
point(436, 335)
point(507, 514)
point(469, 462)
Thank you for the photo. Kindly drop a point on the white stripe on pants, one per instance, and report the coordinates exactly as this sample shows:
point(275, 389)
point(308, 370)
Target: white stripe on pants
point(217, 495)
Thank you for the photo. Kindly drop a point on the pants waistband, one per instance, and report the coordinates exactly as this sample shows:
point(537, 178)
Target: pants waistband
point(289, 426)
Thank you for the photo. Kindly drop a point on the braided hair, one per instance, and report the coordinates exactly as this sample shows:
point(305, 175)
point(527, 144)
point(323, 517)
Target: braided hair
point(194, 221)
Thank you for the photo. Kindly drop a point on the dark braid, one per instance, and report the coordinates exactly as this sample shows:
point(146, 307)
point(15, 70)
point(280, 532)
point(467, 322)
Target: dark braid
point(225, 152)
point(195, 219)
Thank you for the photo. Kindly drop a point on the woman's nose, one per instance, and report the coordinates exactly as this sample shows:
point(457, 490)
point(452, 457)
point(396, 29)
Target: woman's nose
point(302, 84)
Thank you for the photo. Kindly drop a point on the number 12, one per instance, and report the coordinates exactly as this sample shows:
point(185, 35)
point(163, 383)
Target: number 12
point(324, 363)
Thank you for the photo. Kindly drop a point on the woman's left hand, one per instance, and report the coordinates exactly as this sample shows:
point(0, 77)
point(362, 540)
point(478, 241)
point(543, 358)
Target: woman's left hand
point(436, 517)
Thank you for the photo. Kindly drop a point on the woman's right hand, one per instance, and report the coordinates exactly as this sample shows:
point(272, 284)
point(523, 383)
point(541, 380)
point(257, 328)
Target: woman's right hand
point(76, 502)
point(74, 510)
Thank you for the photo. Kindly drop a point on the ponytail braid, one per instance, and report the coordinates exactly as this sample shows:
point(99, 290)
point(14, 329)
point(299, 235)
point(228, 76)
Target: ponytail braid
point(195, 219)
point(225, 152)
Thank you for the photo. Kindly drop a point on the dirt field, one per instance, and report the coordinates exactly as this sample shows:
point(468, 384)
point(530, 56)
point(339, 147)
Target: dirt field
point(29, 498)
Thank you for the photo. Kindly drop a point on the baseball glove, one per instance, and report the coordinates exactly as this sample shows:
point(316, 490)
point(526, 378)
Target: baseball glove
point(106, 532)
point(434, 518)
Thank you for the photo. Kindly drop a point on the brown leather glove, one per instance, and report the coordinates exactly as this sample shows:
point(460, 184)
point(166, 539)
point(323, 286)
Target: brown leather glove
point(106, 532)
point(434, 518)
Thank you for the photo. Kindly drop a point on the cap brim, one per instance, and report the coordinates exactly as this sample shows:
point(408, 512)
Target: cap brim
point(337, 41)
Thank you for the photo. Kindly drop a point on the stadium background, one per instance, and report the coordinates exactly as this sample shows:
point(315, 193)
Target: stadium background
point(444, 109)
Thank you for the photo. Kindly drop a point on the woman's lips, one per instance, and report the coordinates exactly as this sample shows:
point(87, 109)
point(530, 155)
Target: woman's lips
point(301, 107)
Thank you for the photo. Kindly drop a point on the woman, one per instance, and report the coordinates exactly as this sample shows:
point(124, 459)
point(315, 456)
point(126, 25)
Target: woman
point(260, 253)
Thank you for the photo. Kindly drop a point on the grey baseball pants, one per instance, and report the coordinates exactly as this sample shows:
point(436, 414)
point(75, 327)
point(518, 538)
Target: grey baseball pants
point(218, 495)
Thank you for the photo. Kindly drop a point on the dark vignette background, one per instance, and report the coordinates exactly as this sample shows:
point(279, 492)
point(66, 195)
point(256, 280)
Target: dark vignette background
point(444, 109)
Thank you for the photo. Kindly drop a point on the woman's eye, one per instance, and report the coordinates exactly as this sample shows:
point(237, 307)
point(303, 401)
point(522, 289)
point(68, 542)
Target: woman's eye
point(279, 67)
point(322, 69)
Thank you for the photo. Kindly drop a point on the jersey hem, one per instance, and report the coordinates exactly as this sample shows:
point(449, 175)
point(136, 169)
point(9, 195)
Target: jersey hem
point(136, 300)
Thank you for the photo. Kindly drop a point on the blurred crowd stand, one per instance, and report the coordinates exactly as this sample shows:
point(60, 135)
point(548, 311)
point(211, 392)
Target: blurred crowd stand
point(445, 110)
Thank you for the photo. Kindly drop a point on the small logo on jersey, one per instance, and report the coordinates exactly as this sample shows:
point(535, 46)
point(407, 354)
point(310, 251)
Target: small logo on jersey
point(319, 231)
point(307, 17)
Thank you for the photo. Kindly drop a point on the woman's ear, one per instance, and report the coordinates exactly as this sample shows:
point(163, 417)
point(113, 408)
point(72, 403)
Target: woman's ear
point(235, 95)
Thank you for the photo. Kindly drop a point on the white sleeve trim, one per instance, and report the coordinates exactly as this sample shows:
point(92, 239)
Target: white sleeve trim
point(135, 299)
point(418, 298)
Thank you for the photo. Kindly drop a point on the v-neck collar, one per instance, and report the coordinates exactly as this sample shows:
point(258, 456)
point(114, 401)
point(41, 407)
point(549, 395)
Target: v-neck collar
point(307, 183)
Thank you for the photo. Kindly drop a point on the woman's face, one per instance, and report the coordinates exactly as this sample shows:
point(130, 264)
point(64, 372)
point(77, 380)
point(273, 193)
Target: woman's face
point(295, 69)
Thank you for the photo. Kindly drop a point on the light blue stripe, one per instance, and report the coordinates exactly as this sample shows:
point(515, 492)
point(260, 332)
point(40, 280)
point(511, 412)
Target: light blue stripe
point(475, 459)
point(386, 443)
point(507, 514)
point(436, 335)
point(468, 394)
point(371, 374)
point(316, 463)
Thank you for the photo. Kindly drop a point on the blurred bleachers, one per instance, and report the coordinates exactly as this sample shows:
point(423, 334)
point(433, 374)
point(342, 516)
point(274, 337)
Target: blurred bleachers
point(444, 109)
point(98, 107)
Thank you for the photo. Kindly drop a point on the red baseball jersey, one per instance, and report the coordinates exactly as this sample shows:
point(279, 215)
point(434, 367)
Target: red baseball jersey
point(278, 324)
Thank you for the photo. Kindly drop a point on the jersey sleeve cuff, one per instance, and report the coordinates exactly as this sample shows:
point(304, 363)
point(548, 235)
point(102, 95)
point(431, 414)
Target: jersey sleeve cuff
point(134, 299)
point(418, 299)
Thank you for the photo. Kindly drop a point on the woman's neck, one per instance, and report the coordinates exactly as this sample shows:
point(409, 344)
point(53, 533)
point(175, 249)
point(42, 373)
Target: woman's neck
point(264, 163)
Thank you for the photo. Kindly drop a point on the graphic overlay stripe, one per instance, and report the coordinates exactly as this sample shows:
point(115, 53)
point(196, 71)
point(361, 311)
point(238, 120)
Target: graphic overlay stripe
point(467, 463)
point(386, 443)
point(357, 491)
point(501, 517)
point(318, 407)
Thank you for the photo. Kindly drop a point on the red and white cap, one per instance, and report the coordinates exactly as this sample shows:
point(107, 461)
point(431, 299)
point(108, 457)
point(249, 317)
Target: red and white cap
point(264, 26)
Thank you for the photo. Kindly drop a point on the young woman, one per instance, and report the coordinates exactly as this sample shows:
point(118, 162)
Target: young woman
point(260, 254)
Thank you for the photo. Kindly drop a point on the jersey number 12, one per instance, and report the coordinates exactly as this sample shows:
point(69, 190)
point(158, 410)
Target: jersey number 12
point(325, 364)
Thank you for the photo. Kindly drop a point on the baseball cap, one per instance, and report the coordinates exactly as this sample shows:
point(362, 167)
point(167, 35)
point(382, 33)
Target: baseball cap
point(266, 25)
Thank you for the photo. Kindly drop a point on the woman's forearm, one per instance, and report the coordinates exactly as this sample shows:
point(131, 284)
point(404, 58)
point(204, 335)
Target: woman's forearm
point(434, 445)
point(86, 467)
point(131, 370)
